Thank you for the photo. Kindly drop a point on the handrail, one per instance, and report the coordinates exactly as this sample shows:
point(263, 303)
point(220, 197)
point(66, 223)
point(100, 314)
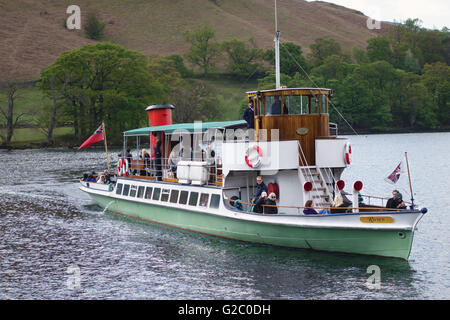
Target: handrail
point(300, 207)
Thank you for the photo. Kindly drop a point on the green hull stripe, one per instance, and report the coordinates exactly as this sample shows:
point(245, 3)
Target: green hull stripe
point(389, 243)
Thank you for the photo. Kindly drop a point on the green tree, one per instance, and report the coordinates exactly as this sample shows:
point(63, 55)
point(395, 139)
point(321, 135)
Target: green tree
point(291, 56)
point(180, 66)
point(94, 28)
point(204, 49)
point(436, 78)
point(323, 48)
point(244, 59)
point(105, 83)
point(379, 49)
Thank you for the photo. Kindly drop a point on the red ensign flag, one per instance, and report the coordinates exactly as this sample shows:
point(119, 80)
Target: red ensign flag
point(96, 137)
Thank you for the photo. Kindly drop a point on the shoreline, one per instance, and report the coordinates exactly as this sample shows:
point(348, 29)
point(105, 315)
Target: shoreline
point(44, 145)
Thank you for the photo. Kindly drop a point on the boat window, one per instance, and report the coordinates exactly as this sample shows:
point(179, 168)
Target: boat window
point(148, 193)
point(273, 105)
point(165, 195)
point(141, 191)
point(204, 200)
point(174, 196)
point(133, 191)
point(183, 197)
point(193, 199)
point(323, 103)
point(156, 193)
point(126, 189)
point(119, 188)
point(215, 200)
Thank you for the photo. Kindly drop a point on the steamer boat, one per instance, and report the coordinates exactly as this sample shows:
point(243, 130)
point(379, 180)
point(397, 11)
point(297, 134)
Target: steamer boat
point(296, 150)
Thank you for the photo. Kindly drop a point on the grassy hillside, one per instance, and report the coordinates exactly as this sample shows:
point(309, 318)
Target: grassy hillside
point(32, 32)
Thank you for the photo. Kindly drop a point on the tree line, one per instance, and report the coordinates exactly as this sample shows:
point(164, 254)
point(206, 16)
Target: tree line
point(400, 80)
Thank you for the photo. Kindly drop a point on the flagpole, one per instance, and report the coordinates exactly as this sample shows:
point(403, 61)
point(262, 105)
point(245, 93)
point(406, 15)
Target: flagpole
point(106, 145)
point(410, 185)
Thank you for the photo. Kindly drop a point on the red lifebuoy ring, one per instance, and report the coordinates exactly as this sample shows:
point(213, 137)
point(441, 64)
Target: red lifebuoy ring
point(347, 153)
point(257, 163)
point(122, 167)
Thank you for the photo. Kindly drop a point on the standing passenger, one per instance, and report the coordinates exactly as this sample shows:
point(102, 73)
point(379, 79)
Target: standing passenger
point(249, 115)
point(158, 165)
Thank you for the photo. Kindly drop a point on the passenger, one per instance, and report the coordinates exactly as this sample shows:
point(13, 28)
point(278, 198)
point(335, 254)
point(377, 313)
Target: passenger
point(249, 114)
point(92, 177)
point(309, 208)
point(129, 157)
point(396, 201)
point(261, 186)
point(158, 165)
point(85, 176)
point(147, 158)
point(236, 203)
point(107, 176)
point(270, 203)
point(173, 163)
point(339, 205)
point(258, 208)
point(276, 107)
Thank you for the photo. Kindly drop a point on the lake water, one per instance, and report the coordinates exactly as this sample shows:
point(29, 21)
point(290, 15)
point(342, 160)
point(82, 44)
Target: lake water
point(50, 232)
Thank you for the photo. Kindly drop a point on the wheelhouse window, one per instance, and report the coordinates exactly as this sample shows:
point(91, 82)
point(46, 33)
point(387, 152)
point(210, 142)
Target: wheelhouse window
point(126, 189)
point(174, 196)
point(133, 191)
point(156, 193)
point(183, 197)
point(119, 188)
point(215, 201)
point(140, 193)
point(148, 193)
point(204, 197)
point(165, 195)
point(193, 199)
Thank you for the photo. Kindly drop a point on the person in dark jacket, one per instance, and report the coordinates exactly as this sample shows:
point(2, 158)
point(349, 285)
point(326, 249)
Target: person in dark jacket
point(270, 203)
point(396, 202)
point(309, 208)
point(249, 115)
point(158, 164)
point(258, 208)
point(260, 187)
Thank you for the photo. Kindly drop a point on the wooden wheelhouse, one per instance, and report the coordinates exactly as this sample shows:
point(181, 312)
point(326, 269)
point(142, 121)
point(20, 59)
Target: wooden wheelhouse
point(292, 114)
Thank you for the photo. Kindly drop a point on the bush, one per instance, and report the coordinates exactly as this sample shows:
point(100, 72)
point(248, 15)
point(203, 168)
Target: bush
point(94, 27)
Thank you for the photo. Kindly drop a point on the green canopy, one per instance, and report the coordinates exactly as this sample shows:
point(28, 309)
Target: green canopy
point(190, 127)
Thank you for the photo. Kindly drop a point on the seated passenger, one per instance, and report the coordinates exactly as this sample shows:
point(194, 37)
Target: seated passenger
point(396, 202)
point(85, 176)
point(339, 204)
point(107, 177)
point(309, 208)
point(258, 208)
point(236, 203)
point(270, 203)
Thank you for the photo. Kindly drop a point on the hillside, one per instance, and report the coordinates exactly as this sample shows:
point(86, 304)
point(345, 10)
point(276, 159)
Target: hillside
point(32, 32)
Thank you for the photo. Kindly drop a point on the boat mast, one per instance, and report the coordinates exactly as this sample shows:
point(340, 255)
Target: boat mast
point(277, 50)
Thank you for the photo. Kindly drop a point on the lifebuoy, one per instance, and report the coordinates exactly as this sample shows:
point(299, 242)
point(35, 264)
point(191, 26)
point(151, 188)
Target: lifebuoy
point(347, 153)
point(122, 167)
point(253, 163)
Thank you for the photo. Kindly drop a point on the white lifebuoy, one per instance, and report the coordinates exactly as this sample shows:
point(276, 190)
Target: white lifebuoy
point(253, 162)
point(347, 153)
point(122, 167)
